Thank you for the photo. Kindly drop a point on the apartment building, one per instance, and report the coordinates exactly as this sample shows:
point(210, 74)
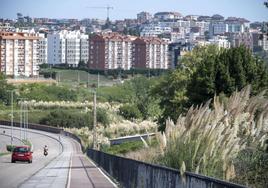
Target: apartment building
point(110, 51)
point(154, 30)
point(19, 54)
point(220, 42)
point(150, 52)
point(42, 49)
point(67, 47)
point(238, 39)
point(143, 17)
point(167, 15)
point(264, 42)
point(217, 28)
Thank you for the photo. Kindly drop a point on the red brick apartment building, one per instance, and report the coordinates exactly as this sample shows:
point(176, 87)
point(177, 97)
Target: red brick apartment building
point(113, 51)
point(150, 52)
point(110, 51)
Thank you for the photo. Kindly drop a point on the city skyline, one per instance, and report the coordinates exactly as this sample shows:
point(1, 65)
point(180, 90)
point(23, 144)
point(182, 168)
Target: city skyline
point(79, 9)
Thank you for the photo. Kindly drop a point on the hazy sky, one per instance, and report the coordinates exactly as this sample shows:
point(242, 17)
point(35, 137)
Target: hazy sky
point(253, 10)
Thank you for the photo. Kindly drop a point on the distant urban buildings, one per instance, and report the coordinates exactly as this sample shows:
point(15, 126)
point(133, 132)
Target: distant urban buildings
point(155, 41)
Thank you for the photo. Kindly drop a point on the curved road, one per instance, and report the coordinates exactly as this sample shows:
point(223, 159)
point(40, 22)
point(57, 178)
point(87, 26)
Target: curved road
point(12, 175)
point(65, 166)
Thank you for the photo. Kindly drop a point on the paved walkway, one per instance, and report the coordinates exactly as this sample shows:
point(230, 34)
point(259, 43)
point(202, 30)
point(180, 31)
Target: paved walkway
point(85, 174)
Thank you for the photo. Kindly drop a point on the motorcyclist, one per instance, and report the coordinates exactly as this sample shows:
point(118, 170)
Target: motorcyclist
point(45, 150)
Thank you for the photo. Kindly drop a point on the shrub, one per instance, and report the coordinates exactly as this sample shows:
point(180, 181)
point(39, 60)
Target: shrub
point(103, 117)
point(130, 112)
point(74, 119)
point(64, 118)
point(10, 148)
point(251, 167)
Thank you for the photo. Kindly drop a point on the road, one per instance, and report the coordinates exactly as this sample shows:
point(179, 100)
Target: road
point(65, 166)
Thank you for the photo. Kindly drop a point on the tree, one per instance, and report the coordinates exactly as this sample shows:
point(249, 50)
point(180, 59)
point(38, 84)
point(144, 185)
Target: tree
point(130, 112)
point(4, 90)
point(205, 72)
point(82, 64)
point(171, 93)
point(226, 71)
point(140, 87)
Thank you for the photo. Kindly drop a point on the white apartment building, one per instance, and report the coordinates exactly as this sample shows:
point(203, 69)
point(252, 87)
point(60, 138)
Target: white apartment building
point(264, 42)
point(67, 47)
point(154, 30)
point(204, 26)
point(168, 15)
point(19, 54)
point(143, 17)
point(42, 49)
point(220, 42)
point(218, 28)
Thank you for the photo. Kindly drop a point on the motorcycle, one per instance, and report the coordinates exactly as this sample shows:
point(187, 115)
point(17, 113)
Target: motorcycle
point(45, 152)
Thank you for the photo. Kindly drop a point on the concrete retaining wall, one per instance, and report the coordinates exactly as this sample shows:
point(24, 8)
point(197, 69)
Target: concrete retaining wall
point(34, 126)
point(131, 173)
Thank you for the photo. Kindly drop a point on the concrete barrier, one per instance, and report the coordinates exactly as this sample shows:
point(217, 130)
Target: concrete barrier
point(34, 126)
point(73, 136)
point(131, 173)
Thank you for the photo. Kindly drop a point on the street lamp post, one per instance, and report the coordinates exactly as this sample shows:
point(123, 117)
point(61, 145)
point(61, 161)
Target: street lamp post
point(12, 117)
point(94, 121)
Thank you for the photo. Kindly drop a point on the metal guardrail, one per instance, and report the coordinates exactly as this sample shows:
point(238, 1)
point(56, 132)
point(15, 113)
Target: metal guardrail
point(132, 173)
point(121, 140)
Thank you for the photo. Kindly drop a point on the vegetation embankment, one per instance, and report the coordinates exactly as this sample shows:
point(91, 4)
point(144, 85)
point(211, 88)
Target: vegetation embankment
point(227, 139)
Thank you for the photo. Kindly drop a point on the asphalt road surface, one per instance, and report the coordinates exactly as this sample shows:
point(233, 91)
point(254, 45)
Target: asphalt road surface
point(65, 165)
point(12, 175)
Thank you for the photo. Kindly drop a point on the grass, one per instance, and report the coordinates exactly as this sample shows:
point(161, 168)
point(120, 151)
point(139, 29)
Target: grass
point(127, 147)
point(73, 77)
point(4, 153)
point(124, 147)
point(34, 115)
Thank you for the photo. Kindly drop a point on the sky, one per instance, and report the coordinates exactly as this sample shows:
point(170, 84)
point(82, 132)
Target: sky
point(253, 10)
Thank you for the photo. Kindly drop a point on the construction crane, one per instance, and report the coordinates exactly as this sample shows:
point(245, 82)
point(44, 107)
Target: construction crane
point(107, 8)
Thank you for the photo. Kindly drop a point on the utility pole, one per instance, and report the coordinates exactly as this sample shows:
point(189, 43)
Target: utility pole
point(20, 118)
point(87, 80)
point(26, 122)
point(98, 79)
point(21, 113)
point(12, 117)
point(78, 77)
point(24, 119)
point(94, 121)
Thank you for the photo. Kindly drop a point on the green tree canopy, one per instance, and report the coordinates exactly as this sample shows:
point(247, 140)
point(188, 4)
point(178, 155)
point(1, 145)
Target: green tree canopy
point(207, 71)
